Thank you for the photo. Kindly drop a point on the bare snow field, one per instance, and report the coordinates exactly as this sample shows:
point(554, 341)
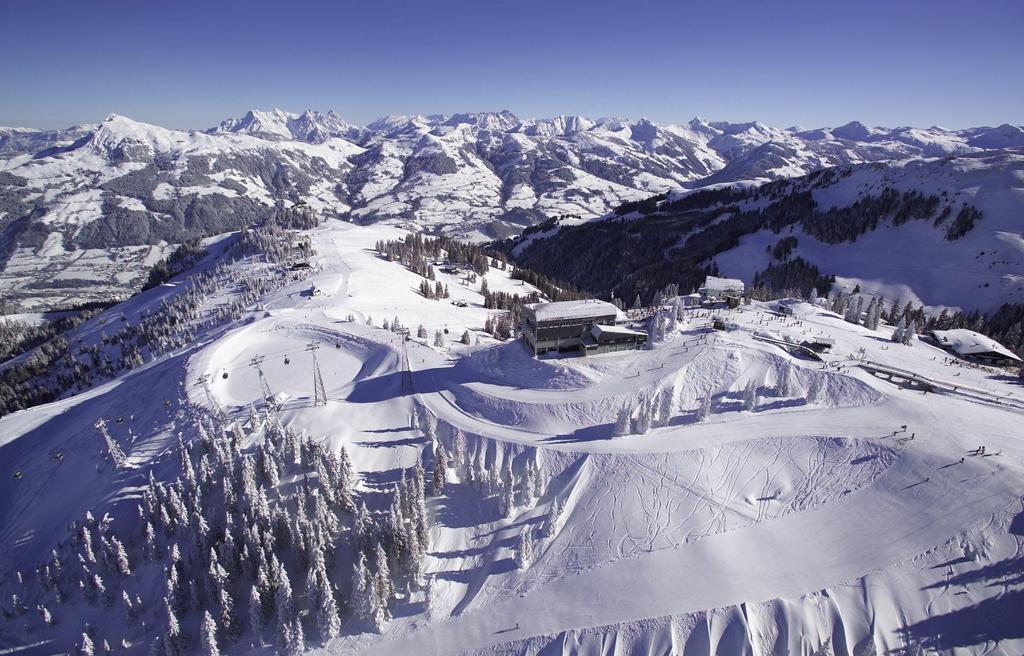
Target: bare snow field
point(794, 514)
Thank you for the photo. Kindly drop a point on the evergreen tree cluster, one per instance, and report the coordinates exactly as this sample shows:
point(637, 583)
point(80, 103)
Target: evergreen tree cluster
point(184, 257)
point(261, 538)
point(257, 537)
point(791, 278)
point(17, 337)
point(417, 253)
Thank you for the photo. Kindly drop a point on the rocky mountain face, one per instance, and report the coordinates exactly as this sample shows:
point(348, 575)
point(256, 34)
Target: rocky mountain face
point(85, 211)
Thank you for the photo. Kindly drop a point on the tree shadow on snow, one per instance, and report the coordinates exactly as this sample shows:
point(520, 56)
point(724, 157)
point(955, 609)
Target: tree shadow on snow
point(991, 620)
point(1017, 524)
point(389, 386)
point(782, 403)
point(1005, 572)
point(462, 506)
point(585, 434)
point(396, 429)
point(404, 441)
point(467, 576)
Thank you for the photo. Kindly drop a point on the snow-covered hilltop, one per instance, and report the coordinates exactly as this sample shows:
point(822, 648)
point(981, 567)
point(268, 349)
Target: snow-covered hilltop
point(85, 211)
point(312, 441)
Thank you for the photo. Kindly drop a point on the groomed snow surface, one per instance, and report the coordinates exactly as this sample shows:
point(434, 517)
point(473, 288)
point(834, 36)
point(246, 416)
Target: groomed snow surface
point(806, 520)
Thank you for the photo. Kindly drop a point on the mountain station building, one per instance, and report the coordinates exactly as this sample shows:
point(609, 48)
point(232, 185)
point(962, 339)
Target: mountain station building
point(721, 288)
point(585, 326)
point(970, 345)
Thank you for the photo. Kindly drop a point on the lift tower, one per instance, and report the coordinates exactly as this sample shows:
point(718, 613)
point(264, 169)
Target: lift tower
point(268, 396)
point(116, 454)
point(204, 382)
point(319, 392)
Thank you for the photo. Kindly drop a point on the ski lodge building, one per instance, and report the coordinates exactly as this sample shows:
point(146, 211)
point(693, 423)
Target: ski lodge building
point(974, 346)
point(721, 288)
point(587, 326)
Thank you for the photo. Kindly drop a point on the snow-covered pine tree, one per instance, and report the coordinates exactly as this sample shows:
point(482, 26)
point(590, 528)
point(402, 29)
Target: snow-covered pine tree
point(869, 319)
point(295, 643)
point(208, 635)
point(664, 411)
point(644, 415)
point(283, 639)
point(816, 389)
point(283, 601)
point(508, 501)
point(328, 622)
point(623, 420)
point(787, 385)
point(85, 541)
point(378, 613)
point(528, 483)
point(459, 458)
point(256, 615)
point(910, 334)
point(704, 409)
point(440, 470)
point(120, 557)
point(383, 585)
point(750, 396)
point(362, 601)
point(524, 550)
point(553, 521)
point(86, 647)
point(438, 339)
point(899, 332)
point(362, 525)
point(226, 619)
point(172, 639)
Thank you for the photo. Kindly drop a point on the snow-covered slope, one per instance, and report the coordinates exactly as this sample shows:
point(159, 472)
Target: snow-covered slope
point(752, 501)
point(942, 232)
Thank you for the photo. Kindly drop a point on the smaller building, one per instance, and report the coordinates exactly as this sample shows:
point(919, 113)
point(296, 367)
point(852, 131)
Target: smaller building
point(787, 307)
point(691, 300)
point(585, 326)
point(819, 343)
point(721, 288)
point(974, 346)
point(605, 339)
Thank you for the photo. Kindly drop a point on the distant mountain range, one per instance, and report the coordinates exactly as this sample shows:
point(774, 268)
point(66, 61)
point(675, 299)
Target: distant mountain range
point(84, 211)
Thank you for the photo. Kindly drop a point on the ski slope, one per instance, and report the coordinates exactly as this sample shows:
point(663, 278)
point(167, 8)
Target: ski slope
point(810, 522)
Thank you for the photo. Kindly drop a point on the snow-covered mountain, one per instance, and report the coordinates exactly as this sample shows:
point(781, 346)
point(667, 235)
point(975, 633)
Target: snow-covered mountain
point(84, 211)
point(946, 232)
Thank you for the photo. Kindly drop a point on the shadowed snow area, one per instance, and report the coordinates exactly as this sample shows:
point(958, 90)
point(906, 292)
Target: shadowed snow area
point(756, 501)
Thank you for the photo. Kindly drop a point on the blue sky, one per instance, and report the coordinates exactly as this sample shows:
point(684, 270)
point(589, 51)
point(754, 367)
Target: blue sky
point(190, 64)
